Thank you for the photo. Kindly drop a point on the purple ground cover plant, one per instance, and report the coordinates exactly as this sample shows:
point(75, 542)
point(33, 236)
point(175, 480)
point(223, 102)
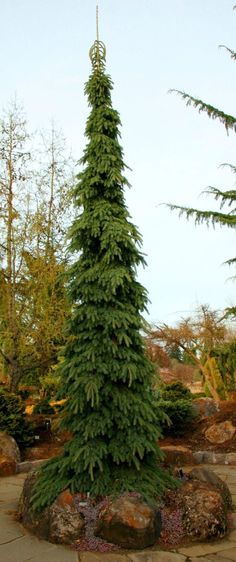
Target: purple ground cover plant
point(172, 528)
point(171, 514)
point(90, 510)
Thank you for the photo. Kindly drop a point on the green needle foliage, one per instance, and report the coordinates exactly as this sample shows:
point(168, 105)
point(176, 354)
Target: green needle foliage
point(226, 215)
point(106, 375)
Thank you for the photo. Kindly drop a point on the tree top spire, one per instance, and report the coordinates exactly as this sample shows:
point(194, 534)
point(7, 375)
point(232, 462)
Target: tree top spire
point(97, 23)
point(97, 52)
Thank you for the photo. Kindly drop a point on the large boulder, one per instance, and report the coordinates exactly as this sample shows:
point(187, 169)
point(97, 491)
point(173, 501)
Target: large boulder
point(129, 522)
point(177, 455)
point(210, 477)
point(220, 432)
point(59, 523)
point(205, 407)
point(7, 466)
point(9, 447)
point(36, 522)
point(204, 512)
point(65, 523)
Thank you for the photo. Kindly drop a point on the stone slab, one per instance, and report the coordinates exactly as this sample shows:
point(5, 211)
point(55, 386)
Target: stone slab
point(15, 480)
point(202, 549)
point(9, 496)
point(231, 481)
point(9, 532)
point(158, 556)
point(24, 549)
point(8, 506)
point(227, 555)
point(5, 484)
point(102, 557)
point(56, 554)
point(214, 558)
point(232, 535)
point(10, 493)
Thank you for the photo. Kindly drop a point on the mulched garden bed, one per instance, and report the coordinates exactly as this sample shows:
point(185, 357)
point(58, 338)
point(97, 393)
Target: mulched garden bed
point(194, 437)
point(173, 534)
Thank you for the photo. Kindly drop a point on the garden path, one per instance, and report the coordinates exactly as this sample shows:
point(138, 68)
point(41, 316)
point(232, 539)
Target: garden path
point(17, 545)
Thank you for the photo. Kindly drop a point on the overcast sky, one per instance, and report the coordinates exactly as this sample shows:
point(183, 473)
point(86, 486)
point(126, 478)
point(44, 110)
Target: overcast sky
point(174, 152)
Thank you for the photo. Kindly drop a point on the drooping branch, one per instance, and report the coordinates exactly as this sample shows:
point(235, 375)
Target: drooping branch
point(230, 51)
point(227, 197)
point(228, 120)
point(208, 217)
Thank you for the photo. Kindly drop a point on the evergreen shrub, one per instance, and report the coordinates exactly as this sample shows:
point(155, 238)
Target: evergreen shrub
point(175, 401)
point(176, 391)
point(43, 407)
point(13, 419)
point(179, 413)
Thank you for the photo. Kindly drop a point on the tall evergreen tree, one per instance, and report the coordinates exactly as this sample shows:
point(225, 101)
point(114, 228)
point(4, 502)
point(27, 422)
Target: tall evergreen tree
point(106, 375)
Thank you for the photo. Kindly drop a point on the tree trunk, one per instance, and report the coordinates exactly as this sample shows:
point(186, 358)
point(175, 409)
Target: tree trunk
point(15, 376)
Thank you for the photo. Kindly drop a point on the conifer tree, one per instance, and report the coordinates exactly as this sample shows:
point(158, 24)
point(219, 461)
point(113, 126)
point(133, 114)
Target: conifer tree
point(226, 215)
point(106, 375)
point(225, 197)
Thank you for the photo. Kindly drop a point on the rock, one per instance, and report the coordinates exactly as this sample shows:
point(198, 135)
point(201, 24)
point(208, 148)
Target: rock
point(230, 458)
point(198, 456)
point(59, 523)
point(204, 512)
point(38, 523)
point(210, 457)
point(26, 466)
point(9, 447)
point(8, 466)
point(44, 451)
point(129, 522)
point(208, 476)
point(220, 432)
point(66, 524)
point(177, 455)
point(205, 407)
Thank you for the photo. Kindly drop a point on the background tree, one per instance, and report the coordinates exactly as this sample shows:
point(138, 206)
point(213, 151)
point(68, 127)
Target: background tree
point(226, 198)
point(14, 175)
point(197, 337)
point(106, 375)
point(46, 262)
point(33, 217)
point(54, 180)
point(46, 309)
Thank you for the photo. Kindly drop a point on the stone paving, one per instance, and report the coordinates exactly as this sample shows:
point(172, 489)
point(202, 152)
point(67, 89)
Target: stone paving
point(17, 545)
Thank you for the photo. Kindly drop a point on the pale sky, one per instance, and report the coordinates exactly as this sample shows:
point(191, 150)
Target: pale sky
point(174, 152)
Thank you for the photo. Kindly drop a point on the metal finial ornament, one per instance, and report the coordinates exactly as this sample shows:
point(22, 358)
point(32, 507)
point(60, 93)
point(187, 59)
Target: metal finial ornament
point(97, 52)
point(97, 23)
